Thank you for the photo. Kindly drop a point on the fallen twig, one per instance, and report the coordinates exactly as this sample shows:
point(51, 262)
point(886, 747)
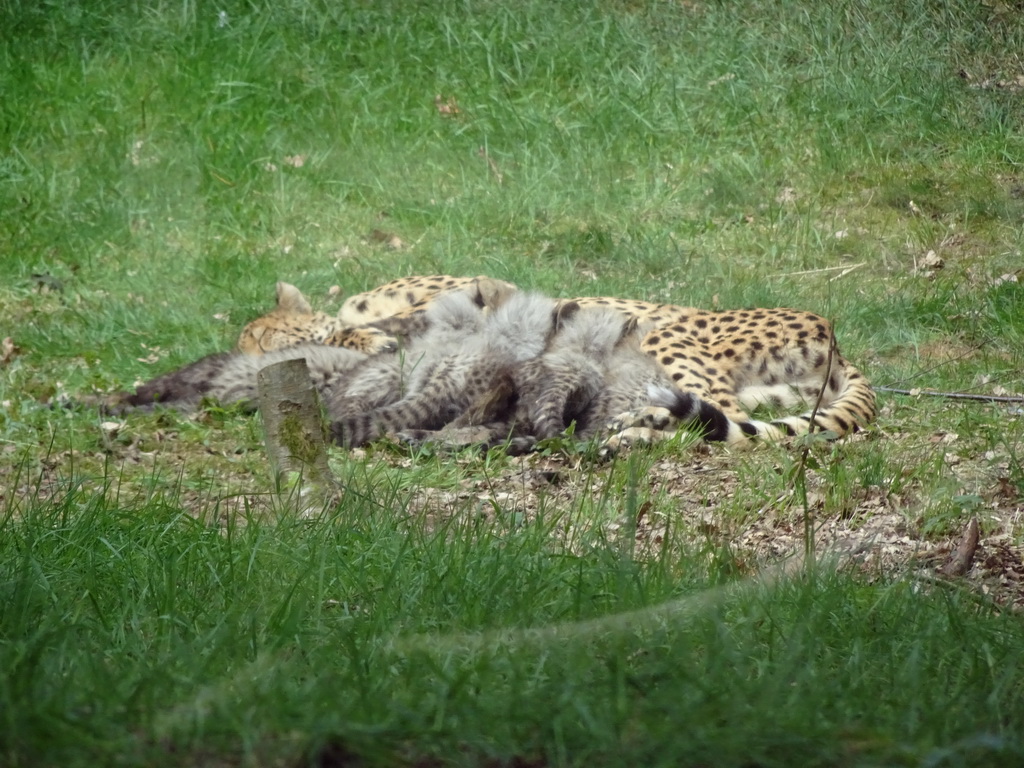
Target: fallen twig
point(846, 269)
point(954, 395)
point(960, 562)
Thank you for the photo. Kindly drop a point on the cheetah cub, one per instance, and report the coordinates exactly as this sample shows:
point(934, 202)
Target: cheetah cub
point(359, 390)
point(230, 378)
point(453, 365)
point(591, 370)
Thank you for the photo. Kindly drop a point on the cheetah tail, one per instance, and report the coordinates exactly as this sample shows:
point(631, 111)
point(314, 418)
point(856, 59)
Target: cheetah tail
point(847, 405)
point(708, 418)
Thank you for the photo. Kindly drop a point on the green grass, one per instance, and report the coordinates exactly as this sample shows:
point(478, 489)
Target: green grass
point(160, 606)
point(145, 636)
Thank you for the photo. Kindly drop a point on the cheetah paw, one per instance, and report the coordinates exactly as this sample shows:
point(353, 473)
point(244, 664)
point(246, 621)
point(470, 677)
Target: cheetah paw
point(651, 417)
point(371, 341)
point(448, 438)
point(624, 438)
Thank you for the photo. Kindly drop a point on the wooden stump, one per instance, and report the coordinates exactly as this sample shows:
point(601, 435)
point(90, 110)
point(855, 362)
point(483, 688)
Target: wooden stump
point(294, 429)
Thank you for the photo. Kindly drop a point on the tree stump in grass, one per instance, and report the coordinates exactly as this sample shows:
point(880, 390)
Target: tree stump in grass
point(294, 428)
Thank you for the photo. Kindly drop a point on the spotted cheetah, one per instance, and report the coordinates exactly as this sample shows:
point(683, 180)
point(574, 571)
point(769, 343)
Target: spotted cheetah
point(742, 359)
point(733, 359)
point(457, 358)
point(346, 377)
point(367, 322)
point(534, 365)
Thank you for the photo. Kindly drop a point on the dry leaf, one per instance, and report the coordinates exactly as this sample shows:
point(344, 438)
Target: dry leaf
point(447, 106)
point(295, 161)
point(339, 254)
point(8, 349)
point(135, 155)
point(932, 260)
point(786, 195)
point(1008, 490)
point(392, 241)
point(1013, 85)
point(334, 290)
point(156, 354)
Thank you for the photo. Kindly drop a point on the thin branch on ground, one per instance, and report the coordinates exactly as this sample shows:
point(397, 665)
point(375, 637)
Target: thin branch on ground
point(846, 269)
point(954, 395)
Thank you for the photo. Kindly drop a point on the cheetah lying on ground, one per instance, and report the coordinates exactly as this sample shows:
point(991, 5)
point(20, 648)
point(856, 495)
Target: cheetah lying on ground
point(734, 360)
point(524, 371)
point(367, 322)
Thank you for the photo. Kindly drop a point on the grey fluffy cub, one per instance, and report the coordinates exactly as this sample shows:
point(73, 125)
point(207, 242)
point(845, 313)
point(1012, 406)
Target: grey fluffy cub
point(463, 356)
point(230, 378)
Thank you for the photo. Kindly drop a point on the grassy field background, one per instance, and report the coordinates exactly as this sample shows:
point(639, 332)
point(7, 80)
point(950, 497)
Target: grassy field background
point(164, 163)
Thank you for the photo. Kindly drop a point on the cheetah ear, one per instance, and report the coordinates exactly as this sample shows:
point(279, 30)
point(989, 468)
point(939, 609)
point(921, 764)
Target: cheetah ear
point(564, 310)
point(290, 299)
point(491, 293)
point(629, 328)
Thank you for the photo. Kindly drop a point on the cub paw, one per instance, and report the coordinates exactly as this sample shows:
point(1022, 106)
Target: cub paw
point(415, 437)
point(641, 436)
point(626, 437)
point(448, 438)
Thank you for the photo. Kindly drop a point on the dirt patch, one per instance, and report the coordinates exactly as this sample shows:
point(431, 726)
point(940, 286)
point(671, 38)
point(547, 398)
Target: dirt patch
point(700, 498)
point(880, 533)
